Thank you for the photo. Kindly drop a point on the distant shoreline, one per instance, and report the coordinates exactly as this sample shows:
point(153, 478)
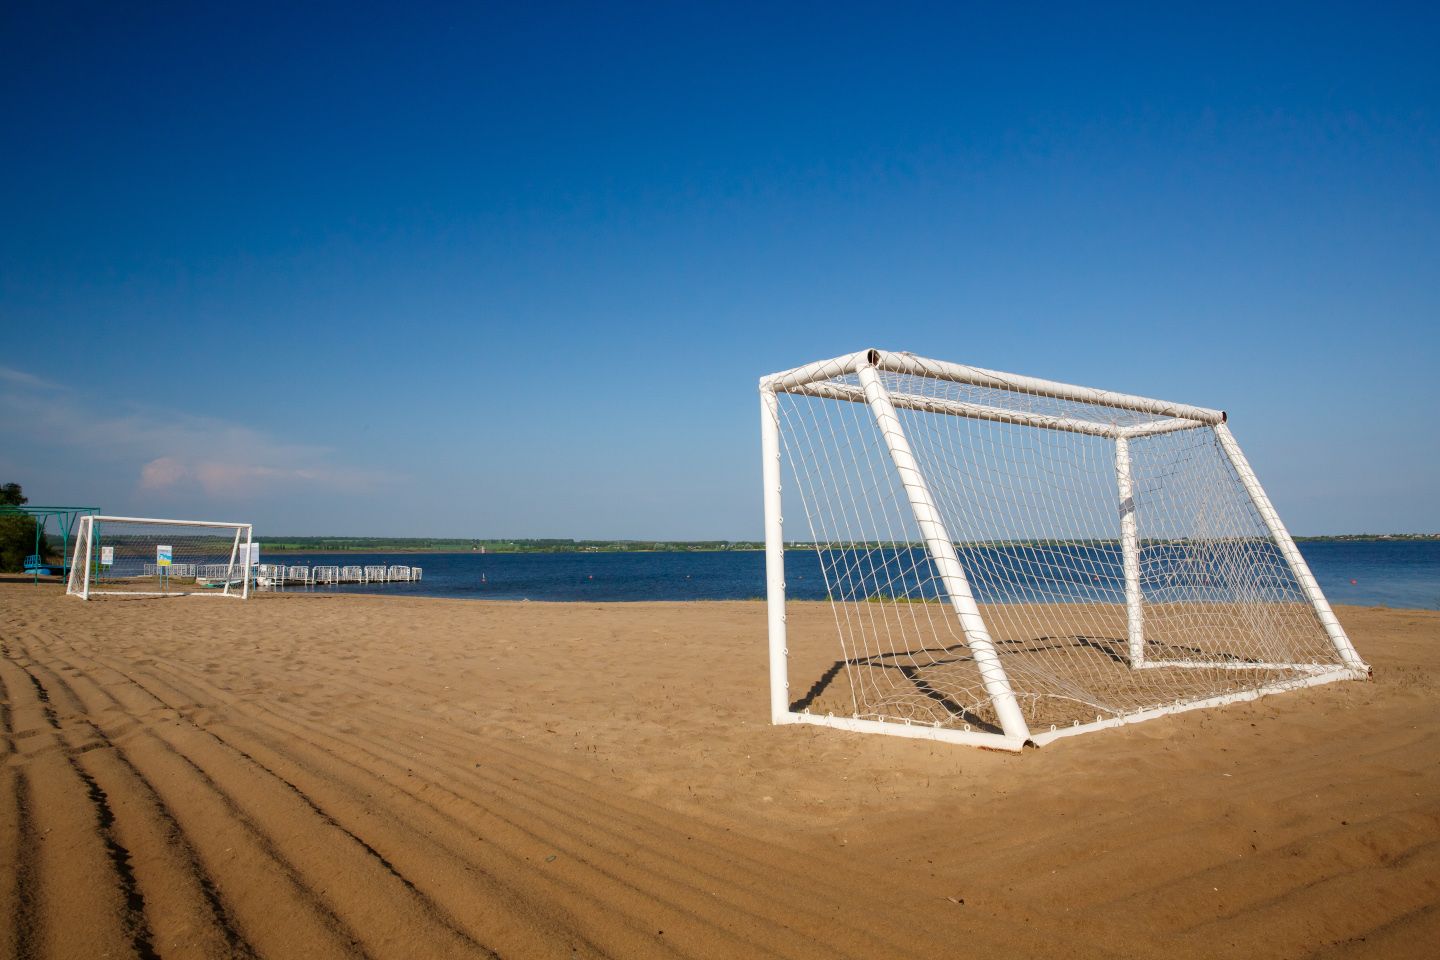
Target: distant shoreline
point(340, 546)
point(406, 546)
point(341, 551)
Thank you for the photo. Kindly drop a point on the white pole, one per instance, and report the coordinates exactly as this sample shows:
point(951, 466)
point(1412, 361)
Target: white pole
point(812, 372)
point(774, 556)
point(1130, 554)
point(942, 552)
point(175, 523)
point(1297, 563)
point(89, 558)
point(234, 555)
point(249, 555)
point(787, 380)
point(975, 411)
point(72, 562)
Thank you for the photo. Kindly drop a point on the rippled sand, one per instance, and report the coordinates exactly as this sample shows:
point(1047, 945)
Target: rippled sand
point(320, 776)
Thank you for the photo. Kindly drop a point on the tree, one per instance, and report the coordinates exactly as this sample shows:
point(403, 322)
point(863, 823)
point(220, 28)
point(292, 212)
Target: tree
point(17, 531)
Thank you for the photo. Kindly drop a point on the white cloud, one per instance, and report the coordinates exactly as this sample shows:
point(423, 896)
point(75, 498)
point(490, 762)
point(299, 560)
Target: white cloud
point(162, 473)
point(10, 375)
point(163, 449)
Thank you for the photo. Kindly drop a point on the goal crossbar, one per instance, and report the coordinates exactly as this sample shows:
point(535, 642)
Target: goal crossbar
point(980, 411)
point(790, 381)
point(1181, 580)
point(174, 523)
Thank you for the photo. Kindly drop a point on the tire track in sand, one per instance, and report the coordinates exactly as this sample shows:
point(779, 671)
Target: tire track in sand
point(61, 840)
point(190, 917)
point(563, 942)
point(17, 834)
point(136, 921)
point(779, 921)
point(296, 916)
point(18, 895)
point(352, 934)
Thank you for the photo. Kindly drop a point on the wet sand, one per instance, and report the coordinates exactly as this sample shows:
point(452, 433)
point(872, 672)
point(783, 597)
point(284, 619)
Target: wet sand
point(323, 776)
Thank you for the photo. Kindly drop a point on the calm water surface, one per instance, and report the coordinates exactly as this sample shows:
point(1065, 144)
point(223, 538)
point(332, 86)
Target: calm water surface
point(1373, 573)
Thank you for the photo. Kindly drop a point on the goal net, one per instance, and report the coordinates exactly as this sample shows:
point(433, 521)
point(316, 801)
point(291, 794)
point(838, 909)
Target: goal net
point(144, 557)
point(1009, 560)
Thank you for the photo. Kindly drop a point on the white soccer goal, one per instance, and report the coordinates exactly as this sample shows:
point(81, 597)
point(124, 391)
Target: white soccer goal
point(136, 556)
point(1009, 560)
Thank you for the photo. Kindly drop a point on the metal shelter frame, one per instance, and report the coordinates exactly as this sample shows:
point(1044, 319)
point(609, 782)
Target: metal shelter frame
point(67, 516)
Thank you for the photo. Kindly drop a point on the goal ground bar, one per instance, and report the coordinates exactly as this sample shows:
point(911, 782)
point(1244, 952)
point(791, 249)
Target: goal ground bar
point(916, 731)
point(1331, 676)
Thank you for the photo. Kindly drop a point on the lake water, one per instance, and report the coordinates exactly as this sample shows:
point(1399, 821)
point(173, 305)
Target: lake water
point(1371, 573)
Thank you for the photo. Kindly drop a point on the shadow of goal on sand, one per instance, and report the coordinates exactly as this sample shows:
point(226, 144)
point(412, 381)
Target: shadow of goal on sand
point(910, 666)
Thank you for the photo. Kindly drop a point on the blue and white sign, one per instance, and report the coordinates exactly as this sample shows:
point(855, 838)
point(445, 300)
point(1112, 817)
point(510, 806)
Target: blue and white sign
point(164, 553)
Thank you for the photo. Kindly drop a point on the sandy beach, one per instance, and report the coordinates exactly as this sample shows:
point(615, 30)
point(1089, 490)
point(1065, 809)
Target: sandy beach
point(323, 776)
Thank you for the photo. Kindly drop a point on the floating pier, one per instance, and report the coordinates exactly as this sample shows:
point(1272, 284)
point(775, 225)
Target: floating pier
point(282, 575)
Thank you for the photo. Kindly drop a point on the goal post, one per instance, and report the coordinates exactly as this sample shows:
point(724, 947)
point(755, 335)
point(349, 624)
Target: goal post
point(149, 557)
point(1008, 560)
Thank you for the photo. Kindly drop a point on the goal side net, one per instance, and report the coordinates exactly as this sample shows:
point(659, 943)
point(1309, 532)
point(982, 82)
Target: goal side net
point(134, 556)
point(1009, 560)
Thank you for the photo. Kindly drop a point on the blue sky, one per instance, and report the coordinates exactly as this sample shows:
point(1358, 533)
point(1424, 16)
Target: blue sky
point(514, 271)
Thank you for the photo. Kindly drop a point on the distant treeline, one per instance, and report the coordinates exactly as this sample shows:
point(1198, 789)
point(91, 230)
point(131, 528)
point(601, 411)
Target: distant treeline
point(459, 545)
point(456, 545)
point(1372, 536)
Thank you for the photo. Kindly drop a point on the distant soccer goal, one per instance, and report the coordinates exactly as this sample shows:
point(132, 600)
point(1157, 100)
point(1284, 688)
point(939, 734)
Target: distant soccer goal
point(134, 556)
point(1010, 560)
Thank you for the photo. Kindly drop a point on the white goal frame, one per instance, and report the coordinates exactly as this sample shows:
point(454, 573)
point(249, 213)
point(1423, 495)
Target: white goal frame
point(818, 380)
point(78, 584)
